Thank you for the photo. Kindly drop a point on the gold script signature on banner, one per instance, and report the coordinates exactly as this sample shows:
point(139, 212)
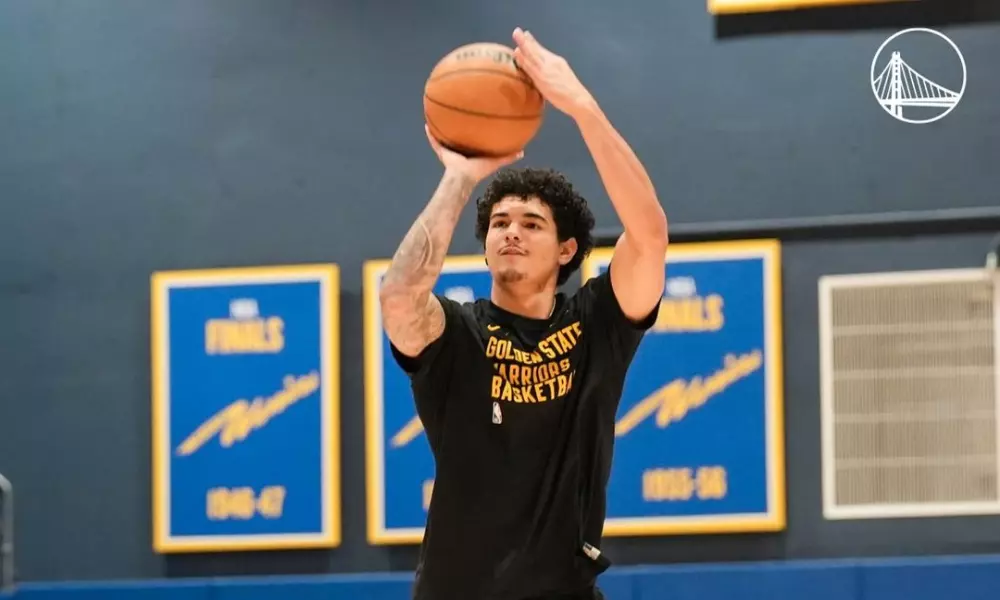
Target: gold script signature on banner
point(674, 400)
point(236, 422)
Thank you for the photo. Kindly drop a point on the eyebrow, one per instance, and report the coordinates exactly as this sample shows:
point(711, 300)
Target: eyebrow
point(530, 215)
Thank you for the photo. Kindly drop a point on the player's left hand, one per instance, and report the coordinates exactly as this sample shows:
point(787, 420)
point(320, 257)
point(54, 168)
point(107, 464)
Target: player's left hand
point(551, 74)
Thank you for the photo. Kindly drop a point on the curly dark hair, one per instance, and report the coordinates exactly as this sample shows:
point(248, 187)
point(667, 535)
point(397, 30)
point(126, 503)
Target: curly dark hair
point(569, 209)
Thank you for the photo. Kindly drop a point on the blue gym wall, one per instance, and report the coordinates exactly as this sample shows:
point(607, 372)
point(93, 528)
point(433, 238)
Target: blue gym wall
point(140, 136)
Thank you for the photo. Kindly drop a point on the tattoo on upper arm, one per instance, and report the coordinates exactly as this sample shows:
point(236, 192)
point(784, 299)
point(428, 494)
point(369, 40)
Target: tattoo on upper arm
point(410, 324)
point(411, 315)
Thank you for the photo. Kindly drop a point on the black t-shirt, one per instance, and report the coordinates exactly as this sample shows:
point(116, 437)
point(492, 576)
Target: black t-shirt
point(520, 417)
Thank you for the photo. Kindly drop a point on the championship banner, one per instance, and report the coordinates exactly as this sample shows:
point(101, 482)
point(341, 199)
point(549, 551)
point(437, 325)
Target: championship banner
point(399, 463)
point(699, 430)
point(728, 7)
point(246, 408)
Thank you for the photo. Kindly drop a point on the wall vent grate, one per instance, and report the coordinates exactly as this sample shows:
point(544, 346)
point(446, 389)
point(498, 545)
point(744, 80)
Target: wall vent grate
point(909, 382)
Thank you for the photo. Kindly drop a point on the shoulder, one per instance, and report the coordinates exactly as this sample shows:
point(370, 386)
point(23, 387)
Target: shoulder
point(461, 322)
point(596, 300)
point(614, 337)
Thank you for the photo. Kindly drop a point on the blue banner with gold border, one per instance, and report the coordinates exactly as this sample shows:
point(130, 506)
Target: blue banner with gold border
point(699, 430)
point(246, 403)
point(735, 7)
point(399, 463)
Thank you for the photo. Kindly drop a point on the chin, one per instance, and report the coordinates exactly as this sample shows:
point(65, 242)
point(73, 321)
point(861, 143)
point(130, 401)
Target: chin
point(508, 275)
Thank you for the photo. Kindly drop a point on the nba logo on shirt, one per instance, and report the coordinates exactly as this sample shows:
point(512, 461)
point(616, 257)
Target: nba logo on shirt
point(497, 417)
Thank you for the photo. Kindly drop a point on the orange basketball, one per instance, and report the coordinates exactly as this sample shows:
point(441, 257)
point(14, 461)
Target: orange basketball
point(479, 103)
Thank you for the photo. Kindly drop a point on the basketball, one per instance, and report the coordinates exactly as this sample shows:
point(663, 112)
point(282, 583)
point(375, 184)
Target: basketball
point(477, 102)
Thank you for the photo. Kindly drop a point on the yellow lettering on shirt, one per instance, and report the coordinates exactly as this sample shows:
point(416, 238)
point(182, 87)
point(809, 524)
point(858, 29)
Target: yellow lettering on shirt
point(533, 377)
point(520, 376)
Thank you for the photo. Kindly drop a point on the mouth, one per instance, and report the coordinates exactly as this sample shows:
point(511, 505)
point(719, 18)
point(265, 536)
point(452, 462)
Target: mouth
point(511, 251)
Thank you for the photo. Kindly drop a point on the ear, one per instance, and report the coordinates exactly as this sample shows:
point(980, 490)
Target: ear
point(567, 250)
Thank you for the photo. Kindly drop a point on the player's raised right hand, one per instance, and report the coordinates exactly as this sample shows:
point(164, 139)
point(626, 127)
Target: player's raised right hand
point(475, 168)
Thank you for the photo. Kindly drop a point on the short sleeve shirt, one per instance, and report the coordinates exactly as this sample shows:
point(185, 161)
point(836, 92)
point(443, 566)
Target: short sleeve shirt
point(520, 414)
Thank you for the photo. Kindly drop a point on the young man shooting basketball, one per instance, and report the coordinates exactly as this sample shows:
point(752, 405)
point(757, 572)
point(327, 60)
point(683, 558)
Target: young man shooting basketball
point(518, 392)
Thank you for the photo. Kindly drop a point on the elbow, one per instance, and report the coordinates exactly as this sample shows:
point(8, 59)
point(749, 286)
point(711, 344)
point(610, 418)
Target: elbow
point(659, 234)
point(391, 295)
point(653, 236)
point(385, 293)
point(387, 290)
point(395, 285)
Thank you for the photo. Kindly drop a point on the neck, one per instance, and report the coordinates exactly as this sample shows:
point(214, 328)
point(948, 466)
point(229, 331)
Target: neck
point(533, 304)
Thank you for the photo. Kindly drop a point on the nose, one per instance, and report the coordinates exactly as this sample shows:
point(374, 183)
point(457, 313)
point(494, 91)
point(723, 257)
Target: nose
point(512, 234)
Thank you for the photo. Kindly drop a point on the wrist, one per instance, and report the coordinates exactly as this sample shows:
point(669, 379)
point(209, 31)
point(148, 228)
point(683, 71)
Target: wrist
point(586, 111)
point(459, 178)
point(458, 174)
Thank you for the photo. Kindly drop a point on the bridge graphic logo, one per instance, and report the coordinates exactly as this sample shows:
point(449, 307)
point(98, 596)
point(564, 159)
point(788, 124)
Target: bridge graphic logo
point(899, 86)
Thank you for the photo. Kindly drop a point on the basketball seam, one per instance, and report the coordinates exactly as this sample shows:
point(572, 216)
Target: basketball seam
point(437, 133)
point(482, 114)
point(524, 80)
point(450, 144)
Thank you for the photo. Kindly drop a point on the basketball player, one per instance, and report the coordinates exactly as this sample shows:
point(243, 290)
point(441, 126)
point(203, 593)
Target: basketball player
point(518, 392)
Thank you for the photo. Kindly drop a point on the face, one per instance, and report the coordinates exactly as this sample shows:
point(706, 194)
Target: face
point(522, 245)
